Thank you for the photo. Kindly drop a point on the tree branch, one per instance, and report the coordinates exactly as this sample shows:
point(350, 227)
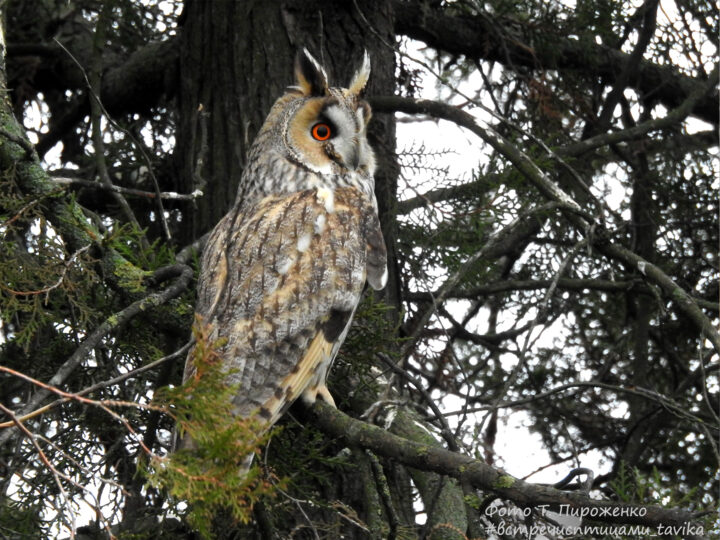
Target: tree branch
point(572, 284)
point(522, 162)
point(110, 324)
point(686, 303)
point(136, 85)
point(460, 191)
point(504, 237)
point(636, 132)
point(180, 353)
point(695, 141)
point(66, 216)
point(337, 424)
point(478, 37)
point(168, 195)
point(580, 219)
point(648, 12)
point(646, 394)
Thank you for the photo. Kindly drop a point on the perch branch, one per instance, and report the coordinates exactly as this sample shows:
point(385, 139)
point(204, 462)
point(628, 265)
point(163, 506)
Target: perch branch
point(337, 424)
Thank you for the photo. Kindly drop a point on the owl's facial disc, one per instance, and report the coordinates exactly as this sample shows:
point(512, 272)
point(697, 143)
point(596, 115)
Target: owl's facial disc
point(330, 135)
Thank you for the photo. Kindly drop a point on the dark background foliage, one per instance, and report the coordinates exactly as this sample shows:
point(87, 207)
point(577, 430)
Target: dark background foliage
point(560, 272)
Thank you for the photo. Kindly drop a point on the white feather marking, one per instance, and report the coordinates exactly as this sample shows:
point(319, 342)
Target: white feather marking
point(284, 266)
point(327, 197)
point(384, 278)
point(319, 223)
point(303, 243)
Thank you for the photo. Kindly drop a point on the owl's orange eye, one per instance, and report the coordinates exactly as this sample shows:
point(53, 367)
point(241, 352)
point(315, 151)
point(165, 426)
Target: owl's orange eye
point(321, 132)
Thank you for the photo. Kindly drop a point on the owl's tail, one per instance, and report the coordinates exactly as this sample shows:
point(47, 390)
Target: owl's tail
point(186, 443)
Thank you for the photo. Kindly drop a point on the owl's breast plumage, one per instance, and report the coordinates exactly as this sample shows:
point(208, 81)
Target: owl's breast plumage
point(282, 280)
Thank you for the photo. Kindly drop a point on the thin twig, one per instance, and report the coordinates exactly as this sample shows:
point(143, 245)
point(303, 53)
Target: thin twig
point(111, 323)
point(541, 313)
point(167, 195)
point(445, 430)
point(58, 282)
point(57, 475)
point(662, 400)
point(70, 396)
point(88, 472)
point(103, 384)
point(449, 284)
point(25, 208)
point(104, 405)
point(96, 100)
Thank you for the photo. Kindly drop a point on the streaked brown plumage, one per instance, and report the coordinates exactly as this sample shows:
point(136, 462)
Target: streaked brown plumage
point(283, 271)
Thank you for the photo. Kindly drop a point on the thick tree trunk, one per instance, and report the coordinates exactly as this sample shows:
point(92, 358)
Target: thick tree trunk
point(234, 61)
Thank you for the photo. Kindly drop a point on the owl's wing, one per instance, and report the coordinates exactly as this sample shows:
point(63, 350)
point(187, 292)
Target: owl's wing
point(280, 283)
point(377, 272)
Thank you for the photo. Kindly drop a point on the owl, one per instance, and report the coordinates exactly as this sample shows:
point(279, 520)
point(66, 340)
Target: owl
point(283, 271)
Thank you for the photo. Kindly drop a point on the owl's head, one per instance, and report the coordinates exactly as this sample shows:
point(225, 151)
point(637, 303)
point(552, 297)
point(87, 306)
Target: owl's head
point(323, 128)
point(314, 136)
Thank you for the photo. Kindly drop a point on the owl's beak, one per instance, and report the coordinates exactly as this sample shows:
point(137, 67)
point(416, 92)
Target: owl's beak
point(354, 157)
point(346, 154)
point(351, 154)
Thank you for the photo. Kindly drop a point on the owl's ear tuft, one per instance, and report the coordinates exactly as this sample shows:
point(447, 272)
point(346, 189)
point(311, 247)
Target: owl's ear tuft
point(310, 75)
point(360, 79)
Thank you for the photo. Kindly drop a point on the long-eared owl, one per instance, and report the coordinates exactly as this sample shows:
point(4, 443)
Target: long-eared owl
point(283, 271)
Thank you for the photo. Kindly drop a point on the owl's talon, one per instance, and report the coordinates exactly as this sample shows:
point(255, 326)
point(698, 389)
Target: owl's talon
point(310, 395)
point(326, 395)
